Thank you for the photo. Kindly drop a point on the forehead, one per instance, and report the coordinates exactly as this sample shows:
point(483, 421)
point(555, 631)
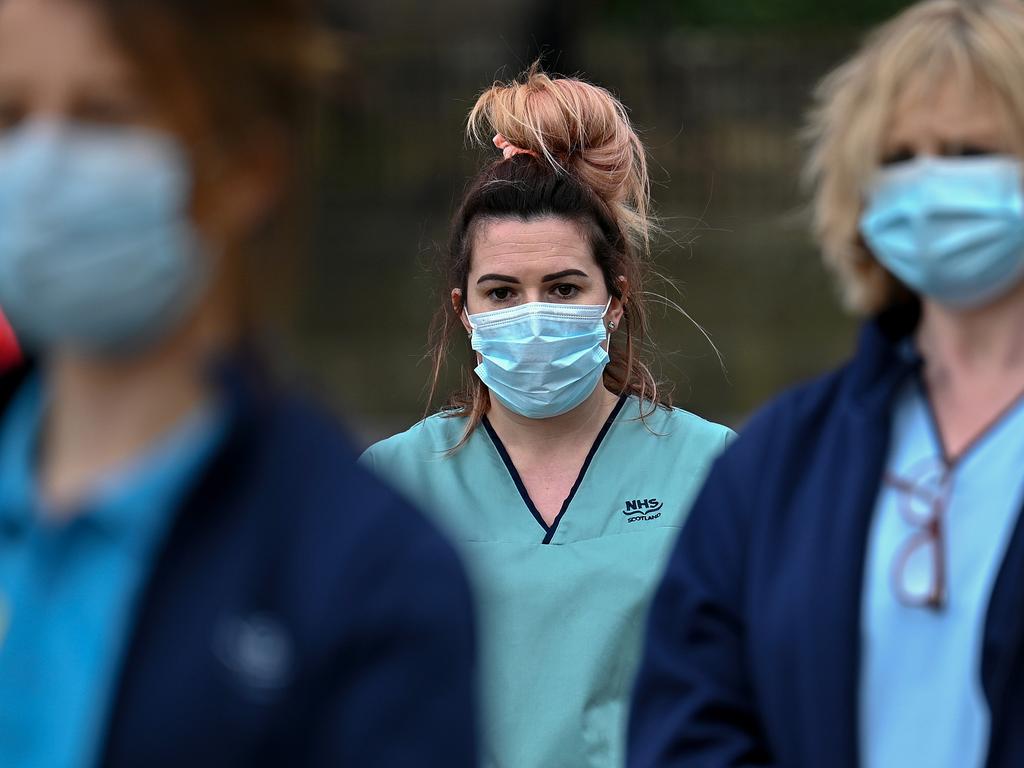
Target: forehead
point(951, 105)
point(520, 246)
point(57, 42)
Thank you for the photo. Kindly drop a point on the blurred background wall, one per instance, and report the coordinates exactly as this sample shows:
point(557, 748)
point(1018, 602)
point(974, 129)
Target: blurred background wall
point(718, 89)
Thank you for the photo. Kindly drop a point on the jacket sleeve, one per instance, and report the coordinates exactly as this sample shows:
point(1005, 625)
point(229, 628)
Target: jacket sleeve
point(402, 690)
point(693, 705)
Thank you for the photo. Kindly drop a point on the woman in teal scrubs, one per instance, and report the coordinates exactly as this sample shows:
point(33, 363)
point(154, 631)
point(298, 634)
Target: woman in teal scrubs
point(560, 470)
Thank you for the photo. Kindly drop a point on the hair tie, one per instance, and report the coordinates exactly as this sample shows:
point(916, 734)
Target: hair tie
point(508, 149)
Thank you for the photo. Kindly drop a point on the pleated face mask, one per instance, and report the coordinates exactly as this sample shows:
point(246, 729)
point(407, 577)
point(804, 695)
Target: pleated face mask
point(97, 252)
point(539, 359)
point(951, 229)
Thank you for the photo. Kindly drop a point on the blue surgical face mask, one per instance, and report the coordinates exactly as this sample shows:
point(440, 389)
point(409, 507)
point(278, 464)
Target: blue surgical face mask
point(541, 360)
point(951, 229)
point(97, 253)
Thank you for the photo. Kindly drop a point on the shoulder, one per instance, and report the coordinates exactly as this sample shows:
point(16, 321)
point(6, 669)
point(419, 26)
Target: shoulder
point(674, 428)
point(428, 439)
point(799, 418)
point(795, 417)
point(678, 421)
point(326, 465)
point(329, 514)
point(749, 484)
point(787, 439)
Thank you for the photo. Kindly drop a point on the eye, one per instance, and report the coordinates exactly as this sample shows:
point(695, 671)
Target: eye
point(896, 156)
point(109, 110)
point(11, 113)
point(566, 290)
point(503, 293)
point(967, 150)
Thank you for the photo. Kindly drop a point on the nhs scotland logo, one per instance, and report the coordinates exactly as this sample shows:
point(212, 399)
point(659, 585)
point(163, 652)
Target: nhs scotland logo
point(642, 509)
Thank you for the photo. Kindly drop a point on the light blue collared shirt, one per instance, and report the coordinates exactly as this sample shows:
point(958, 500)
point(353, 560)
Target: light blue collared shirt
point(921, 699)
point(68, 589)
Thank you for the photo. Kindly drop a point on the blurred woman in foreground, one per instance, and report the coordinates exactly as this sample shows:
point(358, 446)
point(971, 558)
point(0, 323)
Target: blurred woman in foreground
point(193, 571)
point(848, 590)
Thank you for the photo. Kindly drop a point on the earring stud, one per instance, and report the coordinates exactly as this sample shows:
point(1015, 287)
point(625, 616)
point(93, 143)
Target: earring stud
point(611, 326)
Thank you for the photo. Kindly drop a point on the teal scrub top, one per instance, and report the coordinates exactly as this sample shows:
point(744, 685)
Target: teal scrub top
point(561, 610)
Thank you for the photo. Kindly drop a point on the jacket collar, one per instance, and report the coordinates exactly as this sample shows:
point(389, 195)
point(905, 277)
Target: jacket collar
point(885, 356)
point(848, 468)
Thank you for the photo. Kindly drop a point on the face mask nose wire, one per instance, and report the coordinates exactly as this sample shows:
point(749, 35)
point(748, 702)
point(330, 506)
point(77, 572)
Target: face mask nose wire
point(469, 333)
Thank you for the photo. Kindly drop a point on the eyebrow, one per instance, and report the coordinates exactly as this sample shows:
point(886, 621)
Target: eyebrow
point(563, 273)
point(545, 279)
point(502, 278)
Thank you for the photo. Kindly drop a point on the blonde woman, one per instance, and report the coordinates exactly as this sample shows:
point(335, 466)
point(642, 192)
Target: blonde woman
point(848, 590)
point(559, 470)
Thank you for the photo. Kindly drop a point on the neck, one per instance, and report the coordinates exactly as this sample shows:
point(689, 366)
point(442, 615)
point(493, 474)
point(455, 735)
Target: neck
point(103, 413)
point(970, 344)
point(543, 436)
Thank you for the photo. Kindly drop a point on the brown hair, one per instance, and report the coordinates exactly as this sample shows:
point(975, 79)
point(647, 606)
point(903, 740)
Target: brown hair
point(235, 65)
point(228, 75)
point(587, 165)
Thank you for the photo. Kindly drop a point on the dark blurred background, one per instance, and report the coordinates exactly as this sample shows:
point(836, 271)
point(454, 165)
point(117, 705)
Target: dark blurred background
point(718, 89)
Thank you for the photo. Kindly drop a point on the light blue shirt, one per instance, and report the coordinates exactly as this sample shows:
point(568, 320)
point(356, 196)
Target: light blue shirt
point(921, 700)
point(68, 589)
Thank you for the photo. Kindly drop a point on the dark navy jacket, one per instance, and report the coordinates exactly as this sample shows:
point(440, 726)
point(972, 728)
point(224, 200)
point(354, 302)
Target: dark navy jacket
point(299, 614)
point(752, 656)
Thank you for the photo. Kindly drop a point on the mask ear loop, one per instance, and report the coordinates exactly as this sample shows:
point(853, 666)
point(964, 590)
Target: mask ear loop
point(611, 325)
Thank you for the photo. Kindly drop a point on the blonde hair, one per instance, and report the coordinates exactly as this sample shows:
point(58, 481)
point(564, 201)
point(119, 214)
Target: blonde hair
point(583, 162)
point(577, 127)
point(981, 40)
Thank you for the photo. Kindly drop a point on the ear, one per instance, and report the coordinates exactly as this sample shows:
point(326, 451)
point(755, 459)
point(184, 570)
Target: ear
point(458, 306)
point(617, 308)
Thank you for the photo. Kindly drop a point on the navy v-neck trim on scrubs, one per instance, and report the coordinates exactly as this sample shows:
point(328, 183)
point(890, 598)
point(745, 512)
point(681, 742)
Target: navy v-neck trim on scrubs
point(549, 531)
